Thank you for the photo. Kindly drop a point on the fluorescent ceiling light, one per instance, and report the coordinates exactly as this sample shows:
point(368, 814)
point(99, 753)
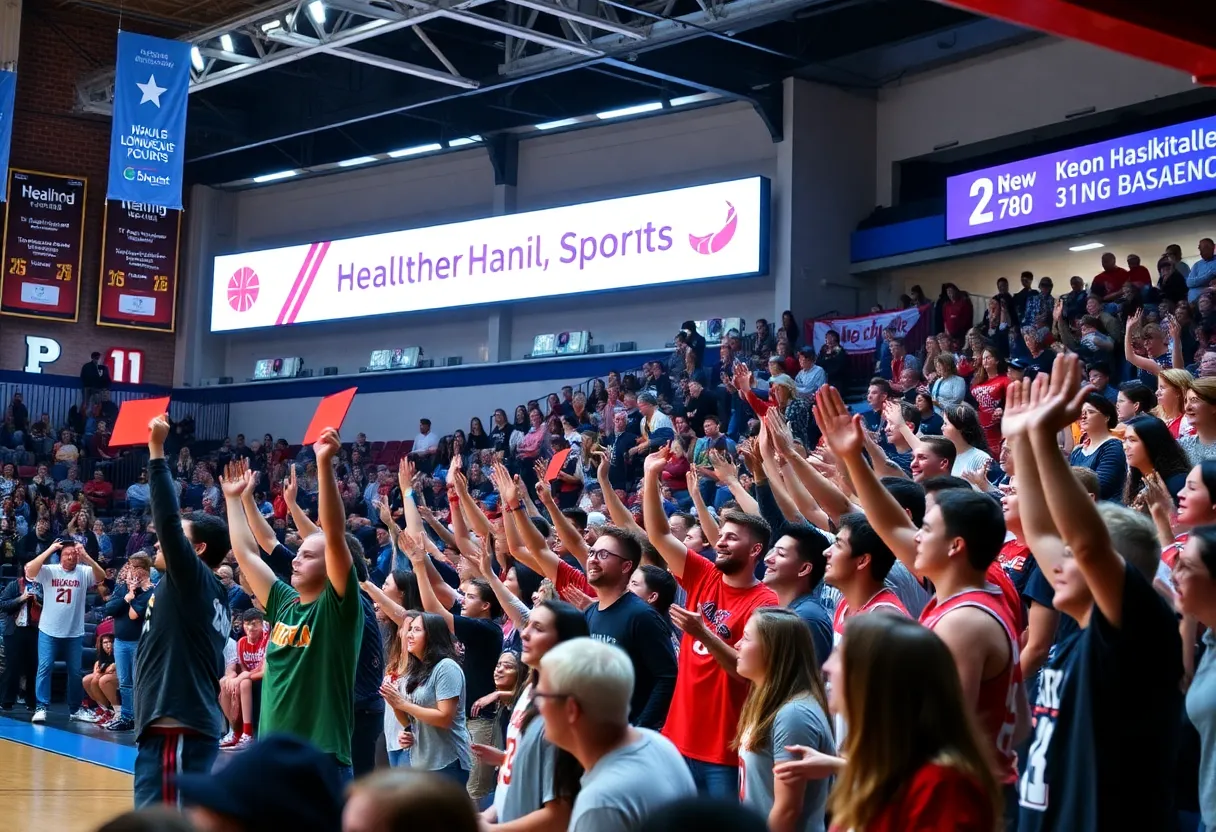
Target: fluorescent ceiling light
point(274, 177)
point(1086, 247)
point(271, 25)
point(464, 141)
point(692, 99)
point(316, 10)
point(226, 43)
point(414, 151)
point(359, 160)
point(553, 125)
point(637, 109)
point(196, 58)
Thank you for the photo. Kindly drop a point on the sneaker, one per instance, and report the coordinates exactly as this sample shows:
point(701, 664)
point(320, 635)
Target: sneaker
point(84, 715)
point(228, 741)
point(39, 715)
point(244, 742)
point(103, 715)
point(120, 724)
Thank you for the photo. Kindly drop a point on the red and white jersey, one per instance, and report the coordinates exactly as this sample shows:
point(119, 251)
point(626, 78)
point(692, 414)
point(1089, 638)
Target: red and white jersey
point(252, 655)
point(885, 600)
point(997, 705)
point(513, 730)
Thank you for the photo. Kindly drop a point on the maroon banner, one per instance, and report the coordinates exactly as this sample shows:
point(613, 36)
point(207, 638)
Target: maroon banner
point(139, 246)
point(43, 244)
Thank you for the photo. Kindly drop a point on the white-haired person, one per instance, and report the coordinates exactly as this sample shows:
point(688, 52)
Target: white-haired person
point(584, 692)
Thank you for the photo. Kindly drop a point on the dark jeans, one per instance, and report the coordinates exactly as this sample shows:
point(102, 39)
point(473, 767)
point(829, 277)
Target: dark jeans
point(162, 756)
point(713, 780)
point(457, 773)
point(345, 773)
point(369, 726)
point(20, 659)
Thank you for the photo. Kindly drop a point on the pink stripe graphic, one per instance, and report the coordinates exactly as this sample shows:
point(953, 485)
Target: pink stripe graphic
point(312, 275)
point(295, 287)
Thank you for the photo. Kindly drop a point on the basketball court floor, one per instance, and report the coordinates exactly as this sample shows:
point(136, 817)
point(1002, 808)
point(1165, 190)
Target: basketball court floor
point(62, 776)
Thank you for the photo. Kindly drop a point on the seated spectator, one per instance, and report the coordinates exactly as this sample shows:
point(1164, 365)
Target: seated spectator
point(138, 495)
point(99, 492)
point(99, 444)
point(66, 451)
point(71, 484)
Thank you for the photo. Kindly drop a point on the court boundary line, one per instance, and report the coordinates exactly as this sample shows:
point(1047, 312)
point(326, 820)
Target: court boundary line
point(49, 739)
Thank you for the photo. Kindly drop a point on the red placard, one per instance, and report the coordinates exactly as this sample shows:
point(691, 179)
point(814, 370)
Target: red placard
point(131, 426)
point(331, 413)
point(43, 244)
point(139, 248)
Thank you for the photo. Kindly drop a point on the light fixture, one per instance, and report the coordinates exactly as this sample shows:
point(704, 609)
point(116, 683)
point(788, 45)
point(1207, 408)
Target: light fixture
point(226, 43)
point(636, 109)
point(316, 10)
point(1086, 247)
point(692, 99)
point(274, 177)
point(271, 25)
point(359, 160)
point(196, 58)
point(464, 141)
point(553, 125)
point(414, 151)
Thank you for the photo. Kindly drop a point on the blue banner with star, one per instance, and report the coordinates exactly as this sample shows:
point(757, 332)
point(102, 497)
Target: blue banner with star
point(8, 96)
point(148, 137)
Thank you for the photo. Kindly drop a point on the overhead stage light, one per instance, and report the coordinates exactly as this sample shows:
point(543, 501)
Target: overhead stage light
point(316, 10)
point(359, 160)
point(1086, 247)
point(414, 151)
point(226, 43)
point(637, 109)
point(196, 58)
point(553, 125)
point(274, 177)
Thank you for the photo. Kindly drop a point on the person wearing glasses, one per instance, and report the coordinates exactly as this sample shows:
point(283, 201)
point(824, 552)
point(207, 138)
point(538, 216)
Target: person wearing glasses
point(619, 617)
point(584, 693)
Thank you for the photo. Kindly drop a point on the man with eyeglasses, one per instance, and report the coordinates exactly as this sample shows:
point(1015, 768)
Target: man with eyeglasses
point(619, 617)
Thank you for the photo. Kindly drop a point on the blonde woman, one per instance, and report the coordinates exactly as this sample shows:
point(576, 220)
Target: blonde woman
point(949, 389)
point(1172, 387)
point(786, 706)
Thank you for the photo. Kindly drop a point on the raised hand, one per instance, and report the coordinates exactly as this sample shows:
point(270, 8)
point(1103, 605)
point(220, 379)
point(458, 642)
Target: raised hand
point(1017, 407)
point(457, 479)
point(979, 476)
point(601, 464)
point(159, 428)
point(1059, 404)
point(656, 461)
point(693, 480)
point(724, 469)
point(841, 429)
point(412, 545)
point(689, 621)
point(291, 487)
point(405, 473)
point(749, 449)
point(326, 448)
point(1133, 322)
point(507, 489)
point(386, 514)
point(236, 478)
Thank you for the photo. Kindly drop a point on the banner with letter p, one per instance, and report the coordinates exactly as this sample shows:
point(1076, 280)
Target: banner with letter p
point(8, 99)
point(148, 137)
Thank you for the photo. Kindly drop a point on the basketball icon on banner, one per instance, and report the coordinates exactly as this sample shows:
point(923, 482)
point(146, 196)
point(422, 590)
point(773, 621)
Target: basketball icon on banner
point(243, 289)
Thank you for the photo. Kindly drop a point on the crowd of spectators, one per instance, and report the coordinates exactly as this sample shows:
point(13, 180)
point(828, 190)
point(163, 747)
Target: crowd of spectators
point(704, 578)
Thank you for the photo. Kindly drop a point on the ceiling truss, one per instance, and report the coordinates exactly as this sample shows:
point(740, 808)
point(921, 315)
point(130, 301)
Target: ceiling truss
point(285, 32)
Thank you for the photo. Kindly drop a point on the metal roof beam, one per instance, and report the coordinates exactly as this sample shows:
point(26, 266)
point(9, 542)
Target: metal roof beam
point(574, 16)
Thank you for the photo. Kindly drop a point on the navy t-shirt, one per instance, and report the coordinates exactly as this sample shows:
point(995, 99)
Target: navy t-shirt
point(1106, 722)
point(638, 629)
point(819, 620)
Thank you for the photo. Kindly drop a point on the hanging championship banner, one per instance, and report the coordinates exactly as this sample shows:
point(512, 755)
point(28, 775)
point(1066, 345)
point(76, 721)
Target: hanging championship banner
point(8, 98)
point(43, 243)
point(148, 137)
point(139, 266)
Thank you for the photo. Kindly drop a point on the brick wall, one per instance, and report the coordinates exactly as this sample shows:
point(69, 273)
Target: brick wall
point(58, 47)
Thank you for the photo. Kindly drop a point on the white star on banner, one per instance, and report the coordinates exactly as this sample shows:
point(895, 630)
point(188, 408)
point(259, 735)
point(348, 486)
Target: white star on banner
point(151, 92)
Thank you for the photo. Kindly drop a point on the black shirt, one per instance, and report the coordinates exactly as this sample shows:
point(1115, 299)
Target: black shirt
point(369, 669)
point(482, 641)
point(181, 650)
point(638, 629)
point(126, 629)
point(1106, 722)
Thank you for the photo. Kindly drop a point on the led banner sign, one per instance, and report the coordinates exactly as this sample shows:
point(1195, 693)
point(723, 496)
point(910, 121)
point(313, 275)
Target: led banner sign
point(1135, 170)
point(698, 233)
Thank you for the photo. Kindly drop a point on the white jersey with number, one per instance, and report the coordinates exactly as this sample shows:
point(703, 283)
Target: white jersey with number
point(63, 599)
point(513, 729)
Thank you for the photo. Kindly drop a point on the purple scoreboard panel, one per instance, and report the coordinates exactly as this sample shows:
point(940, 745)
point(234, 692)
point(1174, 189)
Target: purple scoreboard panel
point(1146, 167)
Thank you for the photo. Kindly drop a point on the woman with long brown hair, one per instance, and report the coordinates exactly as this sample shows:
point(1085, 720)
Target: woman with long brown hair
point(786, 706)
point(913, 757)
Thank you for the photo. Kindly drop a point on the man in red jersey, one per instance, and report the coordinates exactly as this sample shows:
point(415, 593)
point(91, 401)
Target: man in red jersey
point(956, 551)
point(722, 595)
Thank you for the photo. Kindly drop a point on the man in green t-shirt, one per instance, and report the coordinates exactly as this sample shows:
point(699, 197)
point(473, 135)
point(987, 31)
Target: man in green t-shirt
point(316, 621)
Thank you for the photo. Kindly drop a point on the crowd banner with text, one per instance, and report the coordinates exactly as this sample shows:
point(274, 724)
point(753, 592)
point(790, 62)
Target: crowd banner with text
point(148, 136)
point(139, 266)
point(8, 98)
point(860, 336)
point(1165, 163)
point(699, 233)
point(43, 244)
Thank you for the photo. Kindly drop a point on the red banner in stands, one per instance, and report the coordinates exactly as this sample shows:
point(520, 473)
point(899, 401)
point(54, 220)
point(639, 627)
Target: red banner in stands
point(43, 242)
point(139, 250)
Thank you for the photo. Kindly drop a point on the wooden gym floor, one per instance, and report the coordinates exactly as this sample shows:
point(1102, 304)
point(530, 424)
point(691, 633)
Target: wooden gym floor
point(61, 777)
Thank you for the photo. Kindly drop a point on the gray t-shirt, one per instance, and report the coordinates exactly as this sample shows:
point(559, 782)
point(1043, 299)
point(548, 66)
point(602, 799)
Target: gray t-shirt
point(531, 773)
point(622, 789)
point(798, 722)
point(1201, 708)
point(435, 748)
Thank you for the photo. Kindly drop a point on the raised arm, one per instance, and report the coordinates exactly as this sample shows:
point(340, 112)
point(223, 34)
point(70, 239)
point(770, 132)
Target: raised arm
point(236, 482)
point(1075, 514)
point(35, 566)
point(413, 546)
point(709, 526)
point(1040, 530)
point(1140, 361)
point(99, 572)
point(338, 560)
point(543, 558)
point(304, 524)
point(621, 516)
point(474, 517)
point(409, 506)
point(515, 609)
point(262, 531)
point(845, 437)
point(182, 563)
point(387, 605)
point(669, 547)
point(728, 474)
point(567, 532)
point(892, 411)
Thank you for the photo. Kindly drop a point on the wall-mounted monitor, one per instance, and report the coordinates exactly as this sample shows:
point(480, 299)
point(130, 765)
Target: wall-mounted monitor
point(543, 345)
point(397, 359)
point(267, 368)
point(670, 237)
